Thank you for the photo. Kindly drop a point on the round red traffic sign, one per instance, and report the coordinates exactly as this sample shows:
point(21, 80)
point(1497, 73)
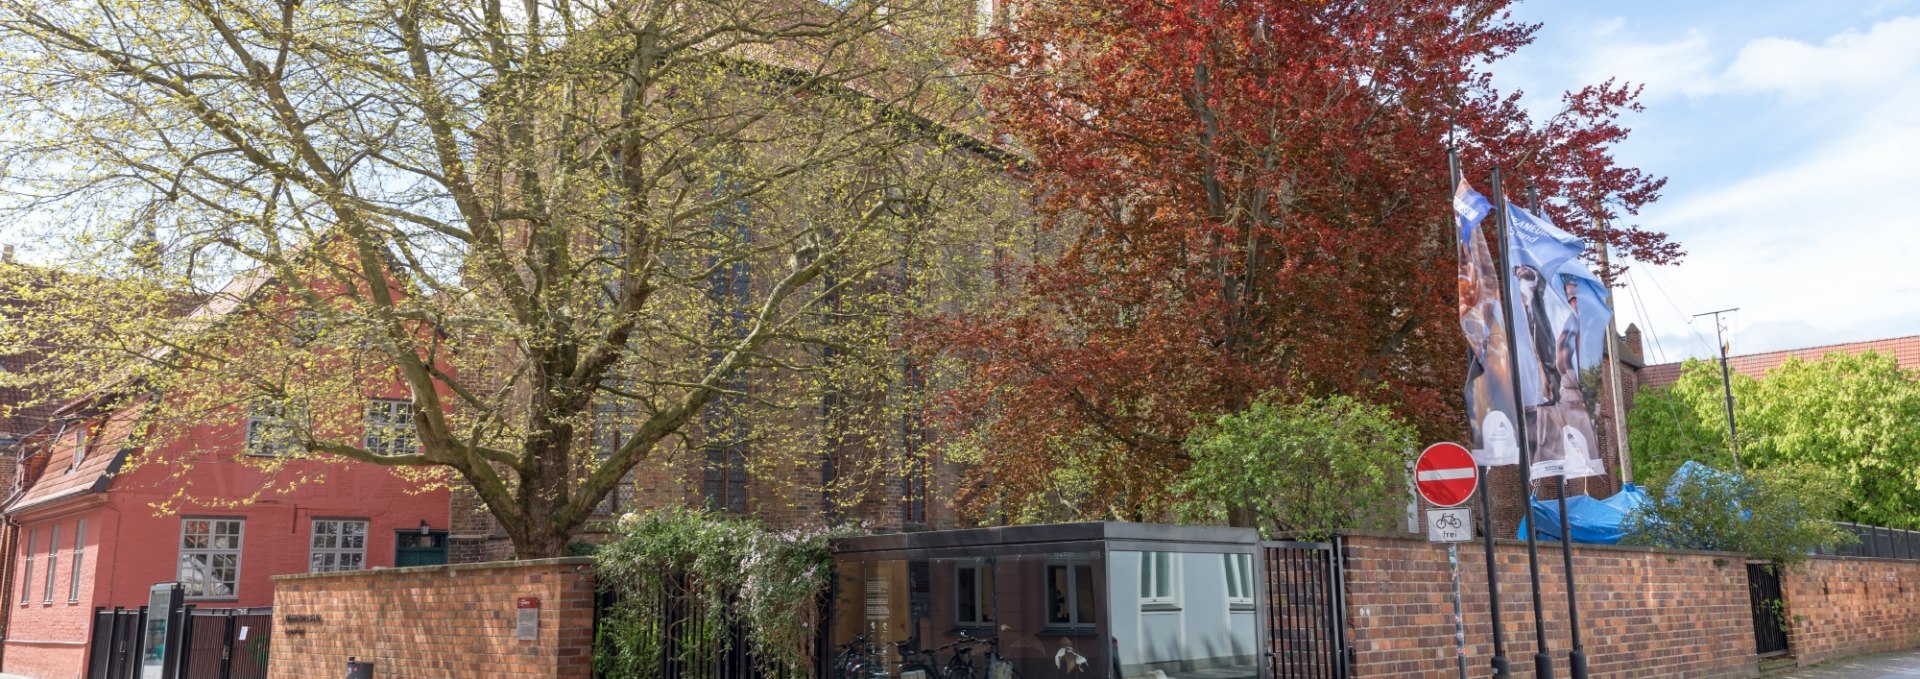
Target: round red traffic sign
point(1445, 474)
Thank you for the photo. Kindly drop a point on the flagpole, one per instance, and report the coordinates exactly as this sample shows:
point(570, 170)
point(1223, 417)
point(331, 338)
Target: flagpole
point(1542, 659)
point(1613, 356)
point(1576, 658)
point(1501, 669)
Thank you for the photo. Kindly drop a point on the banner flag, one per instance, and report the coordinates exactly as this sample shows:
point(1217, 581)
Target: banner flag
point(1586, 298)
point(1561, 320)
point(1489, 387)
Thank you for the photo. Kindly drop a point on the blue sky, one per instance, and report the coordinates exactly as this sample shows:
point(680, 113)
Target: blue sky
point(1790, 134)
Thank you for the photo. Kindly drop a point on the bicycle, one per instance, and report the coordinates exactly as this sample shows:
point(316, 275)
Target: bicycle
point(913, 659)
point(961, 666)
point(858, 659)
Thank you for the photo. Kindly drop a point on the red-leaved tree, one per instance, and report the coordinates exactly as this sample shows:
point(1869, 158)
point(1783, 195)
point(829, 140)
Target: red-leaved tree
point(1249, 196)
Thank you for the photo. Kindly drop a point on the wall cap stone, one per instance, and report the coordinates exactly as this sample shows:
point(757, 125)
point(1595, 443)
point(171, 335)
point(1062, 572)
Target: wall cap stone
point(450, 570)
point(1553, 544)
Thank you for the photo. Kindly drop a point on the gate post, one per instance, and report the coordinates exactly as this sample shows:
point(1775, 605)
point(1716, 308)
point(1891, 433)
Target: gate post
point(226, 647)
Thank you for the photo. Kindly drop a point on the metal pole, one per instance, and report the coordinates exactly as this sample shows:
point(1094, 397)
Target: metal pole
point(1576, 658)
point(1501, 668)
point(1726, 382)
point(1542, 658)
point(1613, 358)
point(1459, 621)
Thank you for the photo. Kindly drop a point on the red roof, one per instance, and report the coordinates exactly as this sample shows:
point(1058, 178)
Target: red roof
point(59, 478)
point(1904, 350)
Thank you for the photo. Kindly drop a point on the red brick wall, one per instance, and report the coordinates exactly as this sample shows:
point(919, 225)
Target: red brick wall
point(1846, 606)
point(1645, 614)
point(47, 638)
point(436, 622)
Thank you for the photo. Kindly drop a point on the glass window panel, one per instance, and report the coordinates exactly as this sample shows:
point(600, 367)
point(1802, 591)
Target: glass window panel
point(1083, 594)
point(338, 545)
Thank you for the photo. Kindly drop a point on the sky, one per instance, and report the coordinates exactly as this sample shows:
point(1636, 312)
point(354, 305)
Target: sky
point(1789, 132)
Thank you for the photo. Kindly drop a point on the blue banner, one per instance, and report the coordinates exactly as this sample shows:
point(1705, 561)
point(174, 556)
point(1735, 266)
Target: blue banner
point(1561, 319)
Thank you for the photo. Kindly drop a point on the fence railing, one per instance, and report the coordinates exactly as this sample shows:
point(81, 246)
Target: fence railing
point(679, 624)
point(1878, 542)
point(214, 643)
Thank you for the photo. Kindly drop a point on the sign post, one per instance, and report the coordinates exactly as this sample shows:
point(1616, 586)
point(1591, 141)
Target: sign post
point(1446, 476)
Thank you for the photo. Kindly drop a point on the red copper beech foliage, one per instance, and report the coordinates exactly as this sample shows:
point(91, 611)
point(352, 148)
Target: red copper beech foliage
point(1251, 195)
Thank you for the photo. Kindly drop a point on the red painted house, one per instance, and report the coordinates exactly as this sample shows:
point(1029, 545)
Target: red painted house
point(99, 522)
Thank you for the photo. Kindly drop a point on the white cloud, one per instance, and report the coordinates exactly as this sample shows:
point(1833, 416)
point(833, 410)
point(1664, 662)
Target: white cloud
point(1848, 62)
point(1820, 243)
point(1665, 68)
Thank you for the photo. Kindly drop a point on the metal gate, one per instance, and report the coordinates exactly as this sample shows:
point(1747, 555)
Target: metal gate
point(115, 651)
point(217, 643)
point(1769, 609)
point(1306, 610)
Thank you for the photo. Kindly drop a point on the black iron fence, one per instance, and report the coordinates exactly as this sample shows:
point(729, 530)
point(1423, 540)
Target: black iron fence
point(1880, 543)
point(676, 634)
point(214, 643)
point(1305, 610)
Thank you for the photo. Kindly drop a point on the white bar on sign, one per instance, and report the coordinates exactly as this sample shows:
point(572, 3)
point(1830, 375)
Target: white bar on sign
point(1446, 474)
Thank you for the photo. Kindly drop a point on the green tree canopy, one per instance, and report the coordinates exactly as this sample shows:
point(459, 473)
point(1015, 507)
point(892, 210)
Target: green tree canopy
point(1851, 415)
point(1312, 467)
point(579, 233)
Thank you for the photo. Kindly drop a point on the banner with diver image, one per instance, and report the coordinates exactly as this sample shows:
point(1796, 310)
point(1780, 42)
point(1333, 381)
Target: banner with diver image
point(1561, 321)
point(1489, 387)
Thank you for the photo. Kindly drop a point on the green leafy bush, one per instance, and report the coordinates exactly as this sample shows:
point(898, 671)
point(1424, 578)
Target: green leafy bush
point(728, 572)
point(1781, 514)
point(1310, 468)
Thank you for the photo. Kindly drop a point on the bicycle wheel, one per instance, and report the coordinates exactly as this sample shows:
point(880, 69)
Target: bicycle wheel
point(960, 671)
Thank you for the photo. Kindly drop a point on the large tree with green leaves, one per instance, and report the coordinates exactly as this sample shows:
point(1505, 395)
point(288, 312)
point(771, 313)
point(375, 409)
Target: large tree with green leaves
point(1852, 415)
point(550, 221)
point(1312, 467)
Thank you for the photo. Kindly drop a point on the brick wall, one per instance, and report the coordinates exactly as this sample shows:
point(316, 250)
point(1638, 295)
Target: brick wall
point(436, 622)
point(1847, 606)
point(1644, 613)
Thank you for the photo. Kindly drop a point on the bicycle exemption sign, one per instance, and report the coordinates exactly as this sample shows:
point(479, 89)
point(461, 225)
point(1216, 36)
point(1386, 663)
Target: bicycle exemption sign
point(1450, 525)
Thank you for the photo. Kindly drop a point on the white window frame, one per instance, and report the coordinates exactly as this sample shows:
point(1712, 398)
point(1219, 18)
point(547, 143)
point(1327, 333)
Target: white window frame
point(389, 427)
point(1072, 564)
point(79, 555)
point(338, 547)
point(974, 570)
point(1152, 566)
point(79, 447)
point(1239, 574)
point(263, 420)
point(53, 565)
point(211, 552)
point(26, 575)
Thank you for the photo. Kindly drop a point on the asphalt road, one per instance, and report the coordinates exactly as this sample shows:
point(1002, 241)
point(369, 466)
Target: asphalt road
point(1904, 665)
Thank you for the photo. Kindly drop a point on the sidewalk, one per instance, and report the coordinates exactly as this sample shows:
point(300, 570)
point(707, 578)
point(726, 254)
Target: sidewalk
point(1903, 665)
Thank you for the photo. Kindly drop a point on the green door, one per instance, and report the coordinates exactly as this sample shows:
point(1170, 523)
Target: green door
point(413, 548)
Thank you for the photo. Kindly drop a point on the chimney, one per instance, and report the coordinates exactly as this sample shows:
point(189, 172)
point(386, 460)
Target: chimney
point(1630, 341)
point(6, 254)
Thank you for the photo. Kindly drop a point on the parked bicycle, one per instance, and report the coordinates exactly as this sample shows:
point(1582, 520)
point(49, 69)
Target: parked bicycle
point(961, 664)
point(859, 659)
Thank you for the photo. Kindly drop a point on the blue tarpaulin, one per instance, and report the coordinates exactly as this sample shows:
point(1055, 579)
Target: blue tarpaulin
point(1591, 521)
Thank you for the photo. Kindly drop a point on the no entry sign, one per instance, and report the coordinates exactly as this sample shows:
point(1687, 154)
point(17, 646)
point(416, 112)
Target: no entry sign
point(1445, 475)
